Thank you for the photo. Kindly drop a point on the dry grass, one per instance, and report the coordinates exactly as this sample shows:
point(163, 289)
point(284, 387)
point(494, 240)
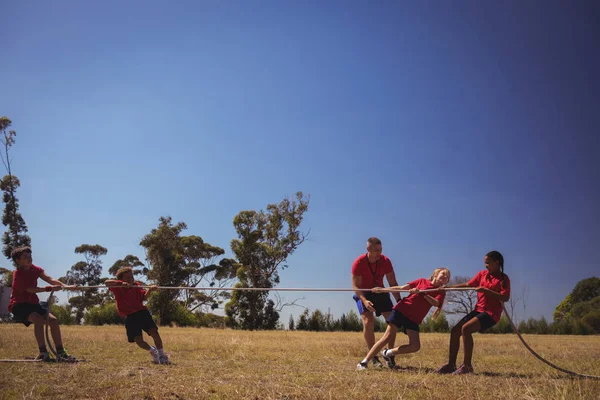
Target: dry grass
point(225, 364)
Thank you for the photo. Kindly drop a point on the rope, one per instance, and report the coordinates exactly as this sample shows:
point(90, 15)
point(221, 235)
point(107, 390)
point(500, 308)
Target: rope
point(48, 341)
point(566, 371)
point(252, 289)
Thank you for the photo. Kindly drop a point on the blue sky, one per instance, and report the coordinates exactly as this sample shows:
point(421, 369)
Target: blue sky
point(447, 130)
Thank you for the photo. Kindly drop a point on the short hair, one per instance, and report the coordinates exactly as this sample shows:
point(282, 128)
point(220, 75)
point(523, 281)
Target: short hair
point(122, 271)
point(373, 241)
point(16, 253)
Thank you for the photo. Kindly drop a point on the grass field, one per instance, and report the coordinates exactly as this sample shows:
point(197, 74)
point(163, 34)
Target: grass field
point(226, 364)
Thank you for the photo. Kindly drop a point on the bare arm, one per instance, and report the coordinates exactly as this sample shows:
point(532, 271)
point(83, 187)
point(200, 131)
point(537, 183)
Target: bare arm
point(495, 295)
point(116, 282)
point(356, 282)
point(389, 289)
point(391, 278)
point(427, 297)
point(150, 290)
point(56, 285)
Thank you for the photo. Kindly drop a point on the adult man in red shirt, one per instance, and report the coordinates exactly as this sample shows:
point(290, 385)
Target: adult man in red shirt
point(368, 271)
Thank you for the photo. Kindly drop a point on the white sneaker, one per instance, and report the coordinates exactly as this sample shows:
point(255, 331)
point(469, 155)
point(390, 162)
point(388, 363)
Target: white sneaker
point(361, 366)
point(154, 355)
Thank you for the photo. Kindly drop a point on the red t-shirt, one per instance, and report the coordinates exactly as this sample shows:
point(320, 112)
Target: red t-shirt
point(372, 274)
point(23, 280)
point(496, 283)
point(129, 300)
point(415, 307)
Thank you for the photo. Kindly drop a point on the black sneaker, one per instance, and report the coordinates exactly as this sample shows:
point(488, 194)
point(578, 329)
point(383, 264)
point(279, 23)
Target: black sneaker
point(390, 360)
point(63, 356)
point(43, 356)
point(377, 363)
point(362, 366)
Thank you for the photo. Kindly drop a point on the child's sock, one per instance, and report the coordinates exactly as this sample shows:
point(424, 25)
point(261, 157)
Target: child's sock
point(43, 349)
point(364, 361)
point(161, 352)
point(388, 353)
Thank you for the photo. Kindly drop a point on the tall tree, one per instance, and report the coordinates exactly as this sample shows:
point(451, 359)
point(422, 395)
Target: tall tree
point(130, 261)
point(203, 269)
point(265, 240)
point(164, 252)
point(86, 273)
point(178, 260)
point(16, 234)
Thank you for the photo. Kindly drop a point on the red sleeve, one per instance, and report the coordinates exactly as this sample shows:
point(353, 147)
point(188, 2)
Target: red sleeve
point(505, 286)
point(356, 267)
point(38, 270)
point(113, 289)
point(388, 266)
point(474, 282)
point(414, 283)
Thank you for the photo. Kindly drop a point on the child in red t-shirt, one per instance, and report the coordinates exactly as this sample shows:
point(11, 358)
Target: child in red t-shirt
point(25, 305)
point(493, 288)
point(130, 304)
point(408, 314)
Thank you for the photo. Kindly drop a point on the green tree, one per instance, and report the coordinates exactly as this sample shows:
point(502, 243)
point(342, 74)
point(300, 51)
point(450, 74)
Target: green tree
point(265, 240)
point(16, 234)
point(291, 325)
point(164, 253)
point(86, 273)
point(303, 321)
point(586, 290)
point(563, 309)
point(202, 268)
point(130, 261)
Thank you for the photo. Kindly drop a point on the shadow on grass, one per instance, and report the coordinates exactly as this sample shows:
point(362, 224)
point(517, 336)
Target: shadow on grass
point(428, 370)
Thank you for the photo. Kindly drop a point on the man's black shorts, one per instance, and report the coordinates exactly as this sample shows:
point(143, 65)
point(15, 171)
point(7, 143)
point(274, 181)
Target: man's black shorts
point(381, 302)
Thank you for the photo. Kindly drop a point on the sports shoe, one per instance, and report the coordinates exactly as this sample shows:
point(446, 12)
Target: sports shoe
point(376, 362)
point(43, 356)
point(154, 355)
point(390, 360)
point(362, 366)
point(463, 369)
point(163, 359)
point(446, 369)
point(63, 356)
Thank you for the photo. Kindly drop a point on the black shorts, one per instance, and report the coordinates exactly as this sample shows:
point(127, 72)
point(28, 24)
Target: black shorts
point(381, 303)
point(136, 322)
point(485, 320)
point(21, 312)
point(399, 320)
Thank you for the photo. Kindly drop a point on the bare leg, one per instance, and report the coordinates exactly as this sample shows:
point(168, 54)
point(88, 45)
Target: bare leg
point(139, 340)
point(414, 343)
point(468, 330)
point(392, 339)
point(368, 321)
point(55, 331)
point(156, 337)
point(377, 347)
point(38, 328)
